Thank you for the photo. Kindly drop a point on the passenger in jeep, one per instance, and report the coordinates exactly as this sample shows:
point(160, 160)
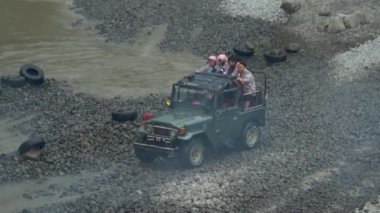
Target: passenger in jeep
point(247, 84)
point(222, 65)
point(210, 67)
point(233, 64)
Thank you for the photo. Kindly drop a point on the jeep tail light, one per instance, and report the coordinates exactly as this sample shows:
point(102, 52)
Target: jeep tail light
point(148, 117)
point(182, 131)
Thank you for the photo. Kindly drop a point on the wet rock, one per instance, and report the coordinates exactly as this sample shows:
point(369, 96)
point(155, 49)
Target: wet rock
point(335, 24)
point(354, 20)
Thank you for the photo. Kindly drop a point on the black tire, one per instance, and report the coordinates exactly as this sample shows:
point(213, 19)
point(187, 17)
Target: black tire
point(251, 136)
point(36, 143)
point(145, 156)
point(275, 55)
point(123, 116)
point(229, 53)
point(13, 81)
point(243, 52)
point(33, 74)
point(192, 154)
point(293, 48)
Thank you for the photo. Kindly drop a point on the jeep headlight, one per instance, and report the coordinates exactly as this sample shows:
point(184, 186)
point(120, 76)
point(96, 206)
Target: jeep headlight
point(182, 131)
point(173, 133)
point(149, 129)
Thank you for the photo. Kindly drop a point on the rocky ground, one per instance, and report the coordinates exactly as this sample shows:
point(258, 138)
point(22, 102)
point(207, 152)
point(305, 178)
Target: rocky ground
point(320, 150)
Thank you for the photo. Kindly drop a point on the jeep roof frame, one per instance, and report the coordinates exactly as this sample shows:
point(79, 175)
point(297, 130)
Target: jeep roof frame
point(214, 82)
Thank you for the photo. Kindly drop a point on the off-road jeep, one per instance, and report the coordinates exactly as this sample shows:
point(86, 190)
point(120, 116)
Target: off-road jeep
point(205, 112)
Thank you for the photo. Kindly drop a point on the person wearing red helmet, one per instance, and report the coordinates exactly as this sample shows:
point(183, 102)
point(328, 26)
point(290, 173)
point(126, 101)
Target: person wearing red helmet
point(210, 66)
point(221, 65)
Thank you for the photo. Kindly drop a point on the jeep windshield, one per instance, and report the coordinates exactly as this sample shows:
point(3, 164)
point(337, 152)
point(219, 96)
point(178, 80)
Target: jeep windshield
point(190, 97)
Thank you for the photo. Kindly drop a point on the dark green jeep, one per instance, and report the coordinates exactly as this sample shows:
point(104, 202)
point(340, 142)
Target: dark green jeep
point(205, 112)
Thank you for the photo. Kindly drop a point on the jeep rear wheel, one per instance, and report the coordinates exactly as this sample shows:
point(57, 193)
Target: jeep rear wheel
point(193, 154)
point(251, 136)
point(145, 156)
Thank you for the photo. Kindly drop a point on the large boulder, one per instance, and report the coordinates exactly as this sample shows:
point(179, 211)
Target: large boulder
point(290, 6)
point(355, 19)
point(335, 24)
point(322, 22)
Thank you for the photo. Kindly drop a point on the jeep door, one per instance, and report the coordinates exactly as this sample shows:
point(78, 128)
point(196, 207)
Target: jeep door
point(226, 115)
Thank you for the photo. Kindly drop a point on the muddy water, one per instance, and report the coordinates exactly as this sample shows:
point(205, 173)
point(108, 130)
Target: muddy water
point(41, 32)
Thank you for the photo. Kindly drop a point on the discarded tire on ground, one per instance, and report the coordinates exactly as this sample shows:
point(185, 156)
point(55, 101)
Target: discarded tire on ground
point(31, 144)
point(33, 74)
point(243, 52)
point(122, 116)
point(293, 48)
point(13, 81)
point(275, 55)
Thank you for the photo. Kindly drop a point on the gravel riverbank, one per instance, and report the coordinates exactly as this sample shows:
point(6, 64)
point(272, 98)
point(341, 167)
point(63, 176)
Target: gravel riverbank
point(200, 27)
point(77, 128)
point(308, 150)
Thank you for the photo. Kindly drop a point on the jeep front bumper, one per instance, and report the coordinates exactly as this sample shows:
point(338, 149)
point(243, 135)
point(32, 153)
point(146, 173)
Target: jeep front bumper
point(155, 148)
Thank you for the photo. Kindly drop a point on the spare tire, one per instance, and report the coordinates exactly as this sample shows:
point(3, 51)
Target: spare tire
point(33, 74)
point(13, 81)
point(36, 143)
point(122, 116)
point(244, 52)
point(293, 48)
point(275, 55)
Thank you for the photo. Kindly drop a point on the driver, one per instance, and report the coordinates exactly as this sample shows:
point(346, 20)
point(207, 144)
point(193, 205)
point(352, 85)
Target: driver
point(204, 97)
point(196, 100)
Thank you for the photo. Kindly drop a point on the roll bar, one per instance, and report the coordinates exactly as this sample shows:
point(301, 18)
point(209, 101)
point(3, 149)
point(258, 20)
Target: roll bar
point(265, 81)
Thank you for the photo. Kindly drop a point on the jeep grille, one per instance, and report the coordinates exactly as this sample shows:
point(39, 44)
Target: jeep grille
point(164, 131)
point(161, 131)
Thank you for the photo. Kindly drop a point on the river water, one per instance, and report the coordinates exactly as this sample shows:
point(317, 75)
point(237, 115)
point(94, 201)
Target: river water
point(41, 32)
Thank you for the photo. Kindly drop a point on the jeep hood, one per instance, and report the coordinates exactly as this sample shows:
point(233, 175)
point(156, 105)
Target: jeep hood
point(181, 118)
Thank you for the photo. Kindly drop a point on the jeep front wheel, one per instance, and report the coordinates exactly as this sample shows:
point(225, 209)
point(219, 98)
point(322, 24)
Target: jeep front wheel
point(251, 136)
point(145, 156)
point(193, 154)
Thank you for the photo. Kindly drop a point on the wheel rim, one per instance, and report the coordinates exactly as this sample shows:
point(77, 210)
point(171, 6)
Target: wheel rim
point(197, 154)
point(252, 136)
